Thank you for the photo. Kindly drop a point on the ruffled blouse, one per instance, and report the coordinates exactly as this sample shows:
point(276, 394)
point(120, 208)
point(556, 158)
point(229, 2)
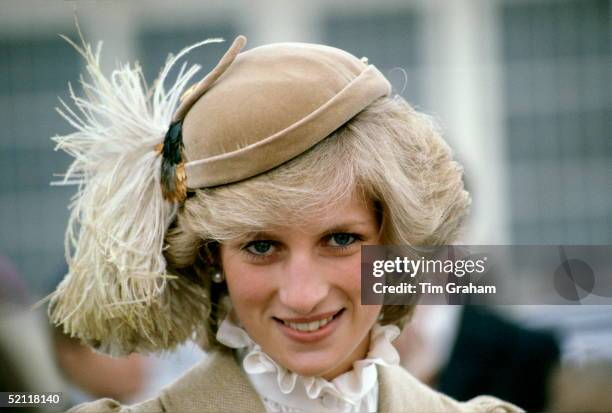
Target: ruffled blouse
point(282, 390)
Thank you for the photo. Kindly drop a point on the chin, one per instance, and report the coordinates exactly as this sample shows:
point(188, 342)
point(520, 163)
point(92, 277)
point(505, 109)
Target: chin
point(309, 364)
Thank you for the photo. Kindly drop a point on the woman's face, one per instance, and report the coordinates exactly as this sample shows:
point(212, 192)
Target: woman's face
point(297, 290)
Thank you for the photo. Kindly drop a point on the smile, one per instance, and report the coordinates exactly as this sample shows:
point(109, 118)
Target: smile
point(305, 330)
point(312, 326)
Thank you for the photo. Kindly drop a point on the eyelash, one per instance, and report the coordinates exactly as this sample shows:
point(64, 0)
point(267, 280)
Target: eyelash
point(261, 257)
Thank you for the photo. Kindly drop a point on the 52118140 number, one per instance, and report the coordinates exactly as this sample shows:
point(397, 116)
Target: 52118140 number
point(15, 399)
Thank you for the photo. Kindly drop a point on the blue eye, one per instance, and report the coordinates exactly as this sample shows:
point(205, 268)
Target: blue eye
point(342, 239)
point(259, 247)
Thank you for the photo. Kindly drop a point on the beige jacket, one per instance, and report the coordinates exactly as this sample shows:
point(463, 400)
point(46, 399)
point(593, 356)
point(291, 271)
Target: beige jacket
point(217, 384)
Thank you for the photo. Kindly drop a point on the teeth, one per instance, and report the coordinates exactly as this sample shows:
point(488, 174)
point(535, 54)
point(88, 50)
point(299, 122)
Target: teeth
point(312, 326)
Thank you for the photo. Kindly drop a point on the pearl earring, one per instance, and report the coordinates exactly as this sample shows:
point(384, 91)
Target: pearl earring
point(218, 277)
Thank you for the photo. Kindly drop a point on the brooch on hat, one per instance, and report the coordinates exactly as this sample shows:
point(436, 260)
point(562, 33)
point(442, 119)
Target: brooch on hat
point(173, 177)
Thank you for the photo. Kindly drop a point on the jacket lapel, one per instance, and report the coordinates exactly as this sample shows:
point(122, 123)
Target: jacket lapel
point(388, 399)
point(399, 391)
point(215, 385)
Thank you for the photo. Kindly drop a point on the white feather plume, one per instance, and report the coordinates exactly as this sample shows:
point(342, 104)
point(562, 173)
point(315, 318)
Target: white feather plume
point(117, 295)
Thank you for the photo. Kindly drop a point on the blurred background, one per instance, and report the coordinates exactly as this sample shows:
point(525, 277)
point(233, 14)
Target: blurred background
point(522, 88)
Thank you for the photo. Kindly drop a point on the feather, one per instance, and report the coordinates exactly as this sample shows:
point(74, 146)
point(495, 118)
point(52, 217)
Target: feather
point(117, 295)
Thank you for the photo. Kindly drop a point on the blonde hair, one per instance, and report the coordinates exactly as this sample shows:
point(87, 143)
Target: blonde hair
point(391, 154)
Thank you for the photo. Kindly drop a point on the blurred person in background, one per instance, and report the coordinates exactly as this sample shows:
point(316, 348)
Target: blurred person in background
point(35, 357)
point(26, 357)
point(92, 375)
point(468, 350)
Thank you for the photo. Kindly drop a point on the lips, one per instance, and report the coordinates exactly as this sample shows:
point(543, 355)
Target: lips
point(311, 326)
point(312, 329)
point(309, 319)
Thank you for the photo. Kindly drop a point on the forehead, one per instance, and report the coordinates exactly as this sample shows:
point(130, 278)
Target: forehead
point(349, 211)
point(242, 214)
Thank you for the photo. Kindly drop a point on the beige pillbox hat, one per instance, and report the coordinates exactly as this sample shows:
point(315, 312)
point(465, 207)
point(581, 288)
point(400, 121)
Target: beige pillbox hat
point(260, 108)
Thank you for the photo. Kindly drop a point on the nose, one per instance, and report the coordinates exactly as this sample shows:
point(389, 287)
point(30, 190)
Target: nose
point(304, 284)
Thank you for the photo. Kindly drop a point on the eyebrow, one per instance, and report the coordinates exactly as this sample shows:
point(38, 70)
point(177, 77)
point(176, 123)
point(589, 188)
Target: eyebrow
point(347, 226)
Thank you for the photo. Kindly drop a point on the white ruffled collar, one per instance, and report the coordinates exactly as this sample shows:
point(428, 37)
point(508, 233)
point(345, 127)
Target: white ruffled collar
point(350, 387)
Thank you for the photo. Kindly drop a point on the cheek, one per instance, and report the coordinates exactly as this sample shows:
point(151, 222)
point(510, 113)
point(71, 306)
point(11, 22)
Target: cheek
point(349, 281)
point(249, 289)
point(347, 275)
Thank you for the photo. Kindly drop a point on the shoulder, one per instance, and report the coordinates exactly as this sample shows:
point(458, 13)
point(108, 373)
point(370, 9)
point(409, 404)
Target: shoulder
point(216, 384)
point(400, 391)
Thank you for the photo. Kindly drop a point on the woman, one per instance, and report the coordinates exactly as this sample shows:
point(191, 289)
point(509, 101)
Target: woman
point(242, 228)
